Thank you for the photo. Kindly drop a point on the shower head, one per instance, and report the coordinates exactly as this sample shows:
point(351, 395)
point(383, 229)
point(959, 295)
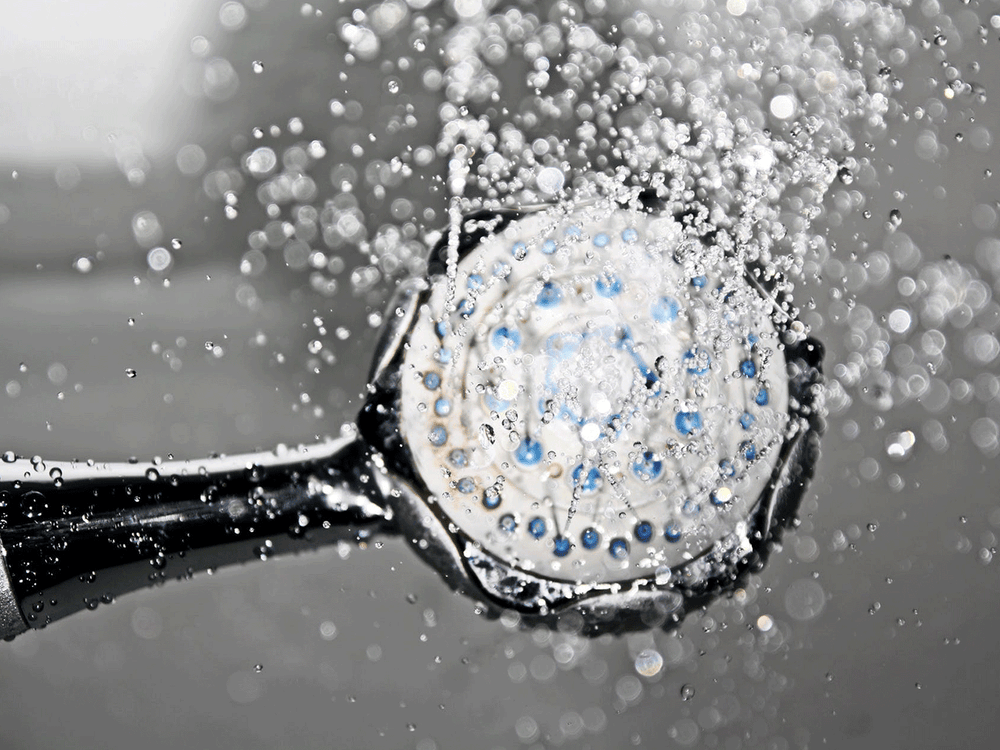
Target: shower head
point(586, 410)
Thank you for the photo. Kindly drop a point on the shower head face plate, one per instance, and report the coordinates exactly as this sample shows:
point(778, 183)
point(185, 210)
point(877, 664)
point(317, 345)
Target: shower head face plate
point(591, 395)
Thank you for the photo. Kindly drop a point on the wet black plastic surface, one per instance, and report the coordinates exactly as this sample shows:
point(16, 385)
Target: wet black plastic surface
point(101, 533)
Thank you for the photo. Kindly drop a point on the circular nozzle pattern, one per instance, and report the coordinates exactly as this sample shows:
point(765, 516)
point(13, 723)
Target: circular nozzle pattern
point(595, 394)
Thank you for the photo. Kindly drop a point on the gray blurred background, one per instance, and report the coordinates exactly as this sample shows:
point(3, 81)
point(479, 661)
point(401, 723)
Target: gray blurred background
point(113, 113)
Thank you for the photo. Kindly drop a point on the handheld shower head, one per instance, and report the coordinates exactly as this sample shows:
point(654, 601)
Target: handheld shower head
point(583, 407)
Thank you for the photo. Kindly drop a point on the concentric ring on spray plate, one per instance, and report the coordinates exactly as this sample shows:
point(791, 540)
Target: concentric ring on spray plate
point(590, 402)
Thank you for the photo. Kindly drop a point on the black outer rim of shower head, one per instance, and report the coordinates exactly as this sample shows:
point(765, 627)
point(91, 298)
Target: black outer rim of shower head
point(638, 604)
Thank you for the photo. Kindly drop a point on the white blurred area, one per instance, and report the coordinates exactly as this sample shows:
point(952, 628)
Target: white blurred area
point(92, 83)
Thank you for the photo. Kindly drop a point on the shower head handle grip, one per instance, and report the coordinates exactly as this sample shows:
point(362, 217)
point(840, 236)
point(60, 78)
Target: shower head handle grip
point(74, 535)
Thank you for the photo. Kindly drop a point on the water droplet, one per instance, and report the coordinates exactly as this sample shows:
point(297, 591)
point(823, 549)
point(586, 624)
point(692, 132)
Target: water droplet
point(805, 599)
point(663, 575)
point(783, 106)
point(649, 662)
point(159, 259)
point(899, 445)
point(261, 162)
point(550, 180)
point(257, 66)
